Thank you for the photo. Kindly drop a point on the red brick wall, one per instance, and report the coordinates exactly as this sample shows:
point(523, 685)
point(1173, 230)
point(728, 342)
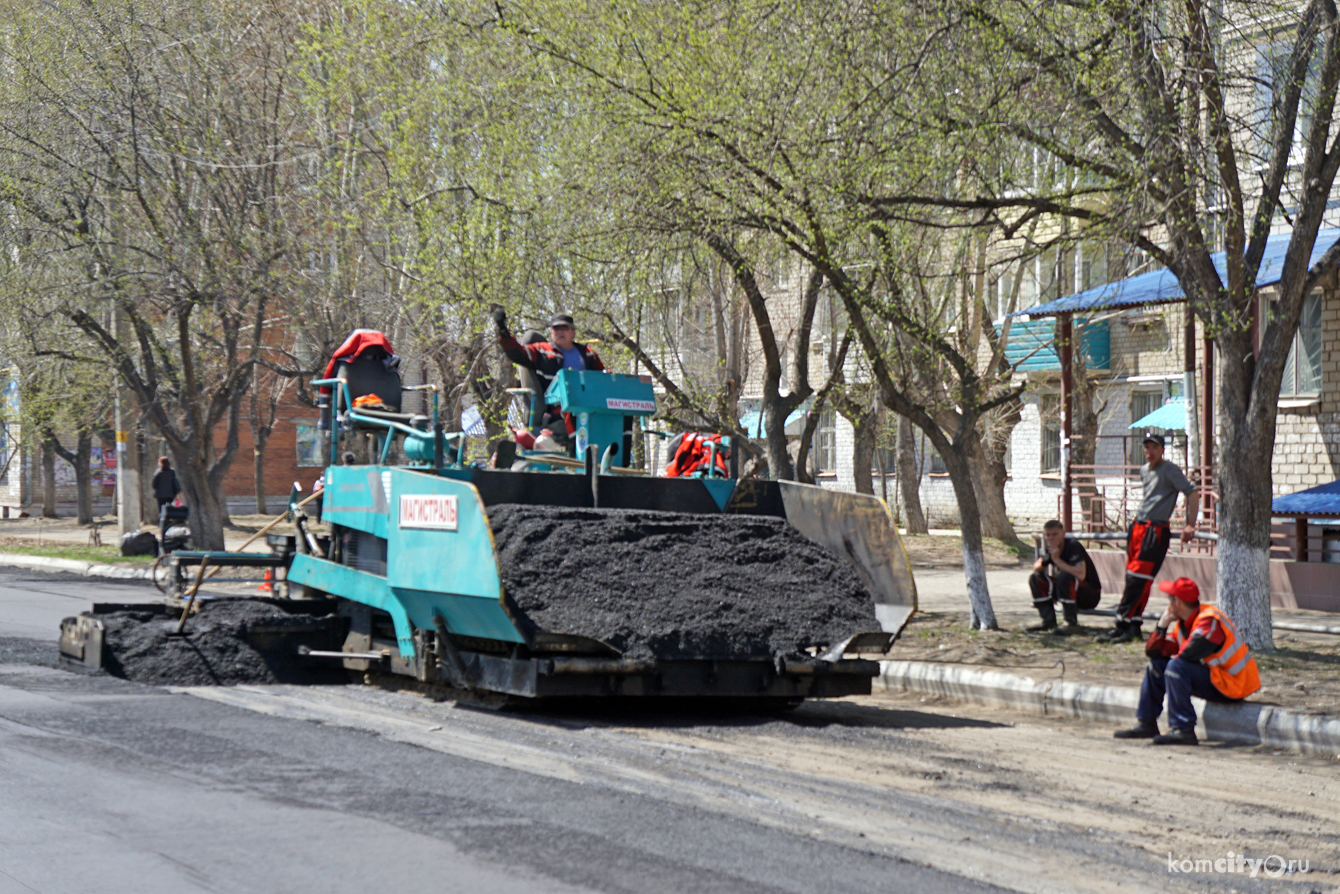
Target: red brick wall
point(281, 458)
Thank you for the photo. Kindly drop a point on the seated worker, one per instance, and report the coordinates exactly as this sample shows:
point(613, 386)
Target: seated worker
point(1063, 574)
point(1194, 650)
point(546, 358)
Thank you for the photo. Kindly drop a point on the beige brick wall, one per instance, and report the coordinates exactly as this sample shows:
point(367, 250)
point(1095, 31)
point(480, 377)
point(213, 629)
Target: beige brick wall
point(1307, 439)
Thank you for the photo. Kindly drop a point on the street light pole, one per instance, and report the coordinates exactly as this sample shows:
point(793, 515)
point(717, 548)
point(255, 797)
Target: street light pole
point(128, 515)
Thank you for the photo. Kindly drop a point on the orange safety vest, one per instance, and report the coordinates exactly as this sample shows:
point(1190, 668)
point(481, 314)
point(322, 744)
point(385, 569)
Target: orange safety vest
point(1232, 669)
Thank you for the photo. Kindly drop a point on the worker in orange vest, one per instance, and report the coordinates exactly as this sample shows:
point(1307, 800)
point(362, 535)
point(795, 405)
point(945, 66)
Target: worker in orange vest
point(1194, 650)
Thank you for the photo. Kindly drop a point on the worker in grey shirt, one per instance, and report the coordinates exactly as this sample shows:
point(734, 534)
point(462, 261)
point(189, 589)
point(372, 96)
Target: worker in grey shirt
point(1148, 537)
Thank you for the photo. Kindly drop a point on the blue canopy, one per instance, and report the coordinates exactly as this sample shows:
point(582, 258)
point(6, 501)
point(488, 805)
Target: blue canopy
point(1161, 286)
point(1323, 500)
point(1171, 415)
point(752, 423)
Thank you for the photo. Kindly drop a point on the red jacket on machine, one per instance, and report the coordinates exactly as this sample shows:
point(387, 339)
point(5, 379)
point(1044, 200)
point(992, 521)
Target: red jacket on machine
point(358, 341)
point(1211, 639)
point(693, 455)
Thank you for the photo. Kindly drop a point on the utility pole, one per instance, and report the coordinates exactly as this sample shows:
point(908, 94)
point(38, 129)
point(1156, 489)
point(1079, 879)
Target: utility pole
point(128, 515)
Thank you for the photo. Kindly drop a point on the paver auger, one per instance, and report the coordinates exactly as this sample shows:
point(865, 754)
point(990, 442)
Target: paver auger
point(413, 566)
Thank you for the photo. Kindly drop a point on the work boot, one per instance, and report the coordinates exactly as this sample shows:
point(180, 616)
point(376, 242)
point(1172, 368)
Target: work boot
point(1107, 635)
point(1177, 737)
point(1068, 630)
point(1071, 612)
point(1141, 730)
point(1048, 612)
point(1131, 632)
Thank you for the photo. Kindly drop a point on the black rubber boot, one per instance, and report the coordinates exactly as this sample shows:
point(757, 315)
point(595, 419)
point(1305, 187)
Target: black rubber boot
point(1108, 635)
point(1130, 633)
point(1141, 730)
point(1071, 612)
point(1048, 613)
point(1177, 737)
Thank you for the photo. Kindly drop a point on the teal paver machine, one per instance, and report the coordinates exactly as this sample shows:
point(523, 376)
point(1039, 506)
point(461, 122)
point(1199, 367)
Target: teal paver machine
point(412, 562)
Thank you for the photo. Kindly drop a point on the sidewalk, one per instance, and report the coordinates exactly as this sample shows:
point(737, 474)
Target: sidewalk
point(1297, 710)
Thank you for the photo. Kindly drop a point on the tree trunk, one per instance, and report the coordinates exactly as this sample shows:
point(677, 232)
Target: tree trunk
point(989, 484)
point(866, 430)
point(775, 410)
point(208, 514)
point(1247, 437)
point(982, 616)
point(83, 478)
point(48, 478)
point(909, 482)
point(258, 473)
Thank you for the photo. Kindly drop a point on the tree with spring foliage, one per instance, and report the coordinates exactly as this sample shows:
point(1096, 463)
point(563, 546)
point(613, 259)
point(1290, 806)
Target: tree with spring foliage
point(1193, 126)
point(150, 166)
point(787, 122)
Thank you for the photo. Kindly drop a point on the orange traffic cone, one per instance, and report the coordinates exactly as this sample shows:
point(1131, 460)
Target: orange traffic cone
point(266, 587)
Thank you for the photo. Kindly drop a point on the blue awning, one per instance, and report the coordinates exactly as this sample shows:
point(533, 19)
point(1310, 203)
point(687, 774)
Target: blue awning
point(1032, 345)
point(1161, 287)
point(1171, 415)
point(1322, 500)
point(752, 423)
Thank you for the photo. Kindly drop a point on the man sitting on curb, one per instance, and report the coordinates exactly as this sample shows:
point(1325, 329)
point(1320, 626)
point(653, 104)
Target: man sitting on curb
point(1201, 655)
point(1063, 574)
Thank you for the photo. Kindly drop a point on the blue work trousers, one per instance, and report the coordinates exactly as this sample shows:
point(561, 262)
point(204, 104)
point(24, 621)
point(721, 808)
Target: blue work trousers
point(1178, 680)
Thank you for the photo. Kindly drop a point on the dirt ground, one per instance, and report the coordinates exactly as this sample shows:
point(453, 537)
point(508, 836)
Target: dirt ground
point(946, 551)
point(1302, 673)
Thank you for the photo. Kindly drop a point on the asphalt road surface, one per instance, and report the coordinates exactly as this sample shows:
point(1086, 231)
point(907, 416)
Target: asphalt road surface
point(110, 786)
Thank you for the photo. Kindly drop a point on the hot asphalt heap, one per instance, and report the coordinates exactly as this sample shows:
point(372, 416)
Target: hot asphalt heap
point(670, 585)
point(223, 645)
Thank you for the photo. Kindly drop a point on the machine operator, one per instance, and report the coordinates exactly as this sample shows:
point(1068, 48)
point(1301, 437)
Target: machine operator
point(546, 358)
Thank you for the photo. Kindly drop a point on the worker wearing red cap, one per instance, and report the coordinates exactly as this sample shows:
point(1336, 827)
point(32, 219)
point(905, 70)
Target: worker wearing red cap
point(1194, 650)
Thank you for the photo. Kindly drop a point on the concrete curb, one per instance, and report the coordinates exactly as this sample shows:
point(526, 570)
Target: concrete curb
point(74, 566)
point(1247, 723)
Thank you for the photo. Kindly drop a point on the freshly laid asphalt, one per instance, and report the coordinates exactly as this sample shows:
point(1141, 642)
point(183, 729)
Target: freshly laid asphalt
point(113, 786)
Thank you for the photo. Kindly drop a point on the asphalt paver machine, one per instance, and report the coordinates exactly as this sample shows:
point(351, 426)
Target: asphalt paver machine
point(412, 564)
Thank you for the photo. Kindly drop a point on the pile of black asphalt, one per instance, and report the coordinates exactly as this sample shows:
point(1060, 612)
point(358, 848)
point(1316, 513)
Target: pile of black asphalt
point(226, 643)
point(669, 585)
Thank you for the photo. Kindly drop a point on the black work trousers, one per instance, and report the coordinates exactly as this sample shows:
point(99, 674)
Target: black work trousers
point(1072, 594)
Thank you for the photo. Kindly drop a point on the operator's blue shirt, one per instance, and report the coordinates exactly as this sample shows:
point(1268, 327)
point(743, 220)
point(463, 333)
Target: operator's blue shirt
point(572, 359)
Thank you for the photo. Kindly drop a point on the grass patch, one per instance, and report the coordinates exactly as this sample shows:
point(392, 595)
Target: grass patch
point(77, 552)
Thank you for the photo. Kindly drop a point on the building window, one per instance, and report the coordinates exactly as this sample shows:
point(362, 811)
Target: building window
point(1051, 434)
point(1272, 78)
point(1142, 404)
point(1302, 371)
point(937, 462)
point(825, 444)
point(309, 443)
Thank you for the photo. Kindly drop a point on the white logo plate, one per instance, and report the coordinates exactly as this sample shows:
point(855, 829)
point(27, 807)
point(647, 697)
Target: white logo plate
point(637, 406)
point(435, 512)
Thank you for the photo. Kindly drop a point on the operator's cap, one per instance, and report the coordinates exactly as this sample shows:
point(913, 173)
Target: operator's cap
point(560, 320)
point(1154, 438)
point(1184, 588)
